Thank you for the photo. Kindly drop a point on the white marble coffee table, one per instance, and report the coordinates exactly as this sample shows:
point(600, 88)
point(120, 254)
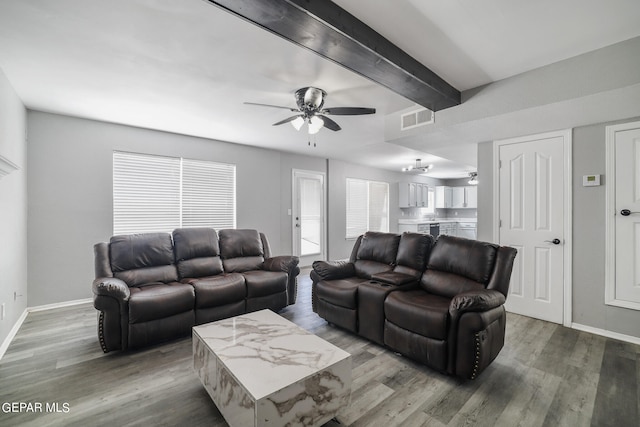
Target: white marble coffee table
point(262, 370)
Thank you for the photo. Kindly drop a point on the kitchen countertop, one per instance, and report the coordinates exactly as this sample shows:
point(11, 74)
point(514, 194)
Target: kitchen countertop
point(434, 221)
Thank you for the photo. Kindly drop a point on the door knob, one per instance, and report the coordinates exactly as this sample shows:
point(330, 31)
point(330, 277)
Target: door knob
point(554, 241)
point(627, 212)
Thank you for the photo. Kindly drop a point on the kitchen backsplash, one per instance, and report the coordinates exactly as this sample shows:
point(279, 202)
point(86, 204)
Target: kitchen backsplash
point(456, 213)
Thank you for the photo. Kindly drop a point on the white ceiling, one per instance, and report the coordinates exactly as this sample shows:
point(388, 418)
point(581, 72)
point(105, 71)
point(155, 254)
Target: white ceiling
point(187, 66)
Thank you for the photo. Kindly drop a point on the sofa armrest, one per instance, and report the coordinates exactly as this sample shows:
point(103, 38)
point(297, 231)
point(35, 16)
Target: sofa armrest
point(111, 287)
point(287, 264)
point(332, 270)
point(483, 300)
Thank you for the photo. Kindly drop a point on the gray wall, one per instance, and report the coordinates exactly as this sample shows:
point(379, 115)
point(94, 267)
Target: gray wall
point(70, 193)
point(485, 191)
point(13, 208)
point(589, 206)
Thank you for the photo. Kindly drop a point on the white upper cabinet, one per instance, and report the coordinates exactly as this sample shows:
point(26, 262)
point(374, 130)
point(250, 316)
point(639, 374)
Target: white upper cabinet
point(471, 194)
point(443, 197)
point(456, 197)
point(413, 195)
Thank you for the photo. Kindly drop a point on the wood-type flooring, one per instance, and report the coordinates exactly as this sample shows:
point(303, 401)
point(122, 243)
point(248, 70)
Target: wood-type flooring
point(546, 375)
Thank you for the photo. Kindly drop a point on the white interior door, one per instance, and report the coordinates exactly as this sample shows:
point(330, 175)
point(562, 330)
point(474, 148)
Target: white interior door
point(624, 142)
point(308, 216)
point(532, 181)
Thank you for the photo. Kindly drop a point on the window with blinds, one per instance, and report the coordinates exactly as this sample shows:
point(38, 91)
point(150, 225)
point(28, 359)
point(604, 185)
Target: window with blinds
point(158, 193)
point(367, 207)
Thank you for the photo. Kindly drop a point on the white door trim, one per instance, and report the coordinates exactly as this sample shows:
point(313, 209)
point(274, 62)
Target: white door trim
point(323, 236)
point(610, 226)
point(568, 217)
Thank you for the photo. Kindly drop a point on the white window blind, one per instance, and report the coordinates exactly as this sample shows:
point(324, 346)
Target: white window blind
point(367, 207)
point(208, 194)
point(157, 193)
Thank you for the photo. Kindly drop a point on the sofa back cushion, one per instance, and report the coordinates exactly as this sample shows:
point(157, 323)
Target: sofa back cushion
point(241, 250)
point(138, 259)
point(197, 252)
point(413, 252)
point(376, 253)
point(458, 265)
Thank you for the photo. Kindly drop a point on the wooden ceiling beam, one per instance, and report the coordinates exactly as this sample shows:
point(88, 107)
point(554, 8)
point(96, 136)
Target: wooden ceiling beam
point(331, 32)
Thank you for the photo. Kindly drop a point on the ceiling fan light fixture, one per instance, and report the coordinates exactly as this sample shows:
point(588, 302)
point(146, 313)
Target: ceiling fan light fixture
point(297, 123)
point(310, 103)
point(315, 124)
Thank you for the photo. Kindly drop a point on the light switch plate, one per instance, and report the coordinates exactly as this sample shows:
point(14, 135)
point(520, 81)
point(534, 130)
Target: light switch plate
point(590, 180)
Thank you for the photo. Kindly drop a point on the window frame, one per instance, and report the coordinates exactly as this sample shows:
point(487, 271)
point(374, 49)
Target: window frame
point(384, 215)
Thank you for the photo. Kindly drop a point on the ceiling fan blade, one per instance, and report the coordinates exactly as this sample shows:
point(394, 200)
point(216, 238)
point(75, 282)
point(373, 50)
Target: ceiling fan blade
point(328, 123)
point(349, 111)
point(269, 105)
point(287, 120)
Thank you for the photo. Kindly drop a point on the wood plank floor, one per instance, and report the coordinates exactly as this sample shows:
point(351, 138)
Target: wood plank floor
point(546, 375)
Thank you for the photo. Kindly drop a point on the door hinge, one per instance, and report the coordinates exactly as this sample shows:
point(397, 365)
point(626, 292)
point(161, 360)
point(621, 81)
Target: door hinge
point(500, 223)
point(499, 164)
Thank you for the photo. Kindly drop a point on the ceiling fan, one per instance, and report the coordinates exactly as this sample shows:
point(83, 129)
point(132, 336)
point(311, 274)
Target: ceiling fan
point(310, 101)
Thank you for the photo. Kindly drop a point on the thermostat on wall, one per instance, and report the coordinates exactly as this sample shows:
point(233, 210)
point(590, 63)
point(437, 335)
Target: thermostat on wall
point(590, 180)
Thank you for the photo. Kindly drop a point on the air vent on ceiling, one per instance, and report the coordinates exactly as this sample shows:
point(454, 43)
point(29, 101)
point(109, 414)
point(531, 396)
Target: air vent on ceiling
point(415, 119)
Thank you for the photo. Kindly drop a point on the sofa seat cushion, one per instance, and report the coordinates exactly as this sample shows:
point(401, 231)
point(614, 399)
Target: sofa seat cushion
point(261, 283)
point(419, 312)
point(219, 290)
point(159, 300)
point(340, 292)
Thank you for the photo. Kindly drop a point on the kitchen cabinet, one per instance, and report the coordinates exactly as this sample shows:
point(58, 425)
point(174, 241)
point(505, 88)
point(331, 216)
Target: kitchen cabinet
point(413, 195)
point(456, 197)
point(449, 228)
point(407, 228)
point(443, 197)
point(472, 196)
point(467, 230)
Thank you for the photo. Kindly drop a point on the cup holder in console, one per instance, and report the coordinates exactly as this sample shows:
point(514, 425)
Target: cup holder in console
point(381, 284)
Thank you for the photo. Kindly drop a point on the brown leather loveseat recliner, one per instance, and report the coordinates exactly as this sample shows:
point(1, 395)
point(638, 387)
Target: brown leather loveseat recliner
point(153, 287)
point(449, 314)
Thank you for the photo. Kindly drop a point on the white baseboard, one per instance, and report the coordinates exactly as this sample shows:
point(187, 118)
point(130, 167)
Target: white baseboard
point(58, 305)
point(23, 316)
point(603, 332)
point(12, 333)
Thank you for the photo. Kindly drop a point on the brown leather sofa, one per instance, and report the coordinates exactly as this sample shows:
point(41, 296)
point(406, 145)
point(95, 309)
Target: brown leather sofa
point(440, 303)
point(154, 287)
